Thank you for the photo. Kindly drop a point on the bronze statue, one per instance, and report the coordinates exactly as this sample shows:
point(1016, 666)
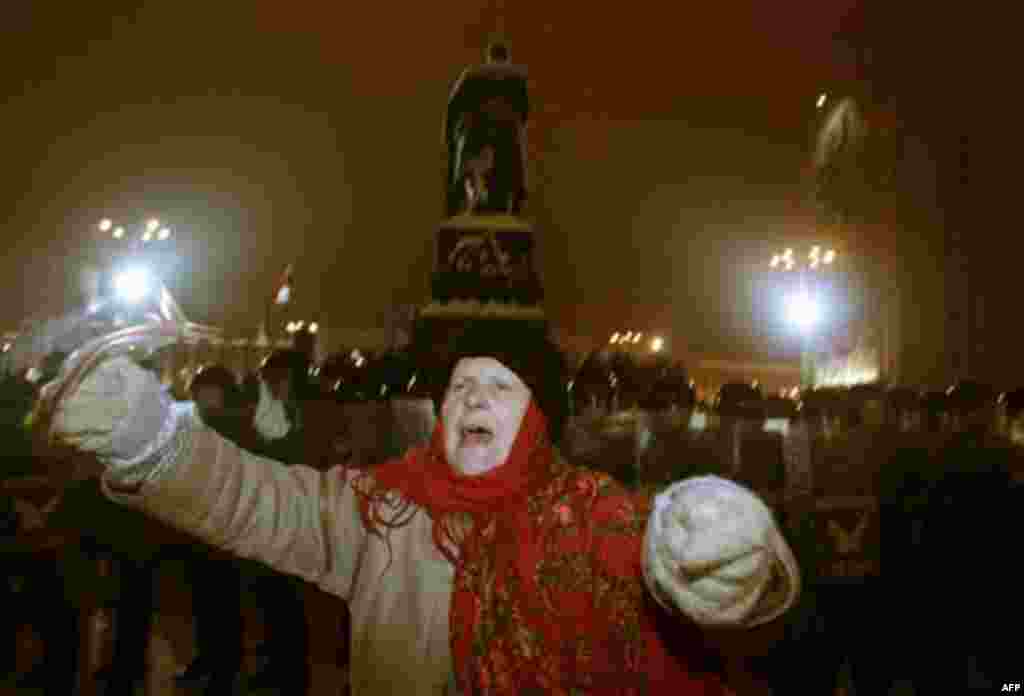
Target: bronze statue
point(485, 134)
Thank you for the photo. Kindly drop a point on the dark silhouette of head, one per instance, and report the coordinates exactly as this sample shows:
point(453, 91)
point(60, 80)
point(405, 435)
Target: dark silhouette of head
point(498, 52)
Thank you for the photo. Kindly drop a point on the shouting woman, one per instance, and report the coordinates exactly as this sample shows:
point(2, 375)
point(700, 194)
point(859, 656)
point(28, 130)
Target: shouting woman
point(480, 563)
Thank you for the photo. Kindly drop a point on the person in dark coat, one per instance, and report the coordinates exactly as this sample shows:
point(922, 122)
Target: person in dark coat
point(215, 578)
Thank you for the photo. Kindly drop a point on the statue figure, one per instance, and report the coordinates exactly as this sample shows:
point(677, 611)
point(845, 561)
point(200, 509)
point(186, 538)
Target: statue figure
point(485, 135)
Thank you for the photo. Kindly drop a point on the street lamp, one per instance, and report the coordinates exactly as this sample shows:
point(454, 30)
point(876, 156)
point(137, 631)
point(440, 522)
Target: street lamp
point(151, 230)
point(814, 260)
point(133, 284)
point(803, 310)
point(803, 307)
point(134, 278)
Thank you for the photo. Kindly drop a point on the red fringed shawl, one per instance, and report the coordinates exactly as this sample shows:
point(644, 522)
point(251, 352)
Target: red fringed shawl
point(548, 595)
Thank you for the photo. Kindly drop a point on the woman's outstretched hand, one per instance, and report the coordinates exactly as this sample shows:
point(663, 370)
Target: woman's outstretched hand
point(714, 552)
point(117, 413)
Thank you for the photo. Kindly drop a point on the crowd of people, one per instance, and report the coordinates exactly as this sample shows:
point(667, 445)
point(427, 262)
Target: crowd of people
point(52, 559)
point(443, 550)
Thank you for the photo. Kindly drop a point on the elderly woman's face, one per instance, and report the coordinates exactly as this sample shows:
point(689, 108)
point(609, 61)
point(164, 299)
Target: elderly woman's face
point(482, 410)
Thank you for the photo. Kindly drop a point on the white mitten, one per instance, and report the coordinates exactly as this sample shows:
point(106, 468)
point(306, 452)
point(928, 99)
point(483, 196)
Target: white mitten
point(120, 412)
point(712, 550)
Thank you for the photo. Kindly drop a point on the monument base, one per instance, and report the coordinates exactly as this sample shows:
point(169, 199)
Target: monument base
point(483, 273)
point(486, 259)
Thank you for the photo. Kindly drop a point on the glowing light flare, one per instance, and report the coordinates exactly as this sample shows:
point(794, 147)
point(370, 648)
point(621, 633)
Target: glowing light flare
point(106, 224)
point(657, 343)
point(614, 339)
point(152, 225)
point(803, 310)
point(830, 256)
point(776, 259)
point(637, 337)
point(147, 236)
point(822, 98)
point(118, 232)
point(163, 234)
point(314, 327)
point(133, 284)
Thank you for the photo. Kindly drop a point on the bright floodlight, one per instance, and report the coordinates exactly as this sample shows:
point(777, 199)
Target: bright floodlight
point(147, 235)
point(775, 261)
point(106, 224)
point(163, 234)
point(132, 285)
point(614, 338)
point(657, 343)
point(803, 310)
point(152, 225)
point(637, 337)
point(314, 327)
point(830, 256)
point(822, 98)
point(118, 232)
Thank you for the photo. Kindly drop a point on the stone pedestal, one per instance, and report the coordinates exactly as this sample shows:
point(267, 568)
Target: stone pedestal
point(486, 260)
point(483, 272)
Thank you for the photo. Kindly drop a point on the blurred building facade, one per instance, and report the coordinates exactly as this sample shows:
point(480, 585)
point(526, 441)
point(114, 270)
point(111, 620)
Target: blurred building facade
point(934, 218)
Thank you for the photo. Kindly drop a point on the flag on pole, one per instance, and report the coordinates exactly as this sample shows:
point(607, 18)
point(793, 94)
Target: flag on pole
point(284, 288)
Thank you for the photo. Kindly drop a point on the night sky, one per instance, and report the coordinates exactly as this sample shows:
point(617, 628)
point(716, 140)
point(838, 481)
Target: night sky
point(672, 151)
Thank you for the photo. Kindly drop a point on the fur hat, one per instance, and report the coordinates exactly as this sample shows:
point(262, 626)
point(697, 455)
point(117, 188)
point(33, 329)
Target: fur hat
point(525, 349)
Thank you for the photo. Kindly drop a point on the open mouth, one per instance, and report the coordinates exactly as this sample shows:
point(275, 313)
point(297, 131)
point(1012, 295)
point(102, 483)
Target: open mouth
point(475, 435)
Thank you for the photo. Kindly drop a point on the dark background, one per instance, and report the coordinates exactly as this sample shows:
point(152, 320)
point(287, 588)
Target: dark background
point(672, 146)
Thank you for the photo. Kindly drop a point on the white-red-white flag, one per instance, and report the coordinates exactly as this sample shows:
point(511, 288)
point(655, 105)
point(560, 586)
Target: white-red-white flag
point(284, 288)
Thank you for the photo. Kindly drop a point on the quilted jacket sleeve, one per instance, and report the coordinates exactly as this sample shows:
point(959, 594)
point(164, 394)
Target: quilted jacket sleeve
point(295, 519)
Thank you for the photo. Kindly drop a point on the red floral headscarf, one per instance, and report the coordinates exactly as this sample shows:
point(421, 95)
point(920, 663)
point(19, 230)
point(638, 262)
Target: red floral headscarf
point(548, 594)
